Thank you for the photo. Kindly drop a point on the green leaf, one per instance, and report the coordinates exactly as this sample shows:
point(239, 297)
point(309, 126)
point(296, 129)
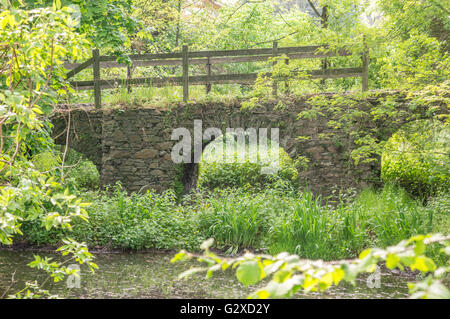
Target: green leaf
point(392, 261)
point(420, 248)
point(249, 273)
point(180, 256)
point(364, 253)
point(424, 264)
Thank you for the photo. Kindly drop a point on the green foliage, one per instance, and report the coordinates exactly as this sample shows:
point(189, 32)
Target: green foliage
point(416, 62)
point(378, 211)
point(289, 274)
point(405, 16)
point(46, 161)
point(161, 21)
point(138, 221)
point(177, 184)
point(273, 219)
point(417, 157)
point(80, 172)
point(108, 24)
point(78, 252)
point(226, 162)
point(134, 222)
point(34, 45)
point(240, 218)
point(378, 218)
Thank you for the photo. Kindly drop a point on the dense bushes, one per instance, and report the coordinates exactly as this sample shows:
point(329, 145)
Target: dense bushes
point(79, 172)
point(221, 165)
point(271, 220)
point(417, 157)
point(129, 222)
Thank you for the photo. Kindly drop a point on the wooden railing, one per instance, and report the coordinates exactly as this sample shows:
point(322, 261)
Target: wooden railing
point(207, 58)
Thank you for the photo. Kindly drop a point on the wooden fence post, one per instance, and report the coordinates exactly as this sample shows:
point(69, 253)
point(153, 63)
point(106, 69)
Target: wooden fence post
point(185, 73)
point(274, 54)
point(286, 83)
point(96, 70)
point(365, 66)
point(208, 74)
point(129, 75)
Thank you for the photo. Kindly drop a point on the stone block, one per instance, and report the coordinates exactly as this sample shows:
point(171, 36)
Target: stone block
point(146, 154)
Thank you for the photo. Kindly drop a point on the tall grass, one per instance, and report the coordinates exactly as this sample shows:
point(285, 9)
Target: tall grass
point(375, 218)
point(391, 215)
point(240, 218)
point(161, 96)
point(304, 229)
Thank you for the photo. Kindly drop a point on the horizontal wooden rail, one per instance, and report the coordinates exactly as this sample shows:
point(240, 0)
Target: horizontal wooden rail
point(78, 67)
point(208, 58)
point(212, 60)
point(214, 79)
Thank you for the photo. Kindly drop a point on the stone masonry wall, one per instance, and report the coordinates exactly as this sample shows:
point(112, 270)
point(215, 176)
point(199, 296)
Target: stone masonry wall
point(133, 145)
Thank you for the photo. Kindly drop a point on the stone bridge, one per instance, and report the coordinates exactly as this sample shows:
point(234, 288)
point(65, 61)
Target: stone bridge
point(133, 144)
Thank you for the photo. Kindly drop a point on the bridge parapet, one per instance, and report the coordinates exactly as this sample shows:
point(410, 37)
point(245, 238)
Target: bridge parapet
point(133, 145)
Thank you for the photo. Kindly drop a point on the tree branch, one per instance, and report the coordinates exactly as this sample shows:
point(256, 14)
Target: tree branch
point(314, 8)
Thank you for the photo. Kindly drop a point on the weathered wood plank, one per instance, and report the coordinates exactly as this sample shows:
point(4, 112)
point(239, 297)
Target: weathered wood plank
point(217, 79)
point(274, 54)
point(185, 73)
point(78, 67)
point(208, 74)
point(219, 53)
point(241, 52)
point(96, 71)
point(150, 56)
point(365, 67)
point(222, 60)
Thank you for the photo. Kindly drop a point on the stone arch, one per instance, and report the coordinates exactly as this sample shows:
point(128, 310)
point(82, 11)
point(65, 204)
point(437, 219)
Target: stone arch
point(85, 133)
point(133, 145)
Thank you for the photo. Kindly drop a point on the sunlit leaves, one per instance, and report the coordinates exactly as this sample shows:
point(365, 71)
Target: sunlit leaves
point(288, 273)
point(249, 272)
point(34, 45)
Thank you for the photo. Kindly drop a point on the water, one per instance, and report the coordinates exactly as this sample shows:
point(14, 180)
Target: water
point(151, 275)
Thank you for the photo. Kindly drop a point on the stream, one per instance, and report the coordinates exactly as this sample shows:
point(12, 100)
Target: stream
point(151, 275)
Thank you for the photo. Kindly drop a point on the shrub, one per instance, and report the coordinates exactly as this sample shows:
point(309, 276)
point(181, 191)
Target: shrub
point(240, 218)
point(79, 172)
point(122, 221)
point(221, 165)
point(139, 221)
point(46, 161)
point(417, 157)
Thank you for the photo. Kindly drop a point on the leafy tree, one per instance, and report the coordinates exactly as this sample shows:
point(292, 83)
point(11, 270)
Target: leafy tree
point(160, 23)
point(108, 24)
point(405, 16)
point(417, 157)
point(34, 45)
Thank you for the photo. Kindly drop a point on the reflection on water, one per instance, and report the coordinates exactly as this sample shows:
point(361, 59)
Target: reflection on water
point(151, 275)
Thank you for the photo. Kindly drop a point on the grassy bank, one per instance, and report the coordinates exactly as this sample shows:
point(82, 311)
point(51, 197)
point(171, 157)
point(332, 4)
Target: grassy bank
point(237, 219)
